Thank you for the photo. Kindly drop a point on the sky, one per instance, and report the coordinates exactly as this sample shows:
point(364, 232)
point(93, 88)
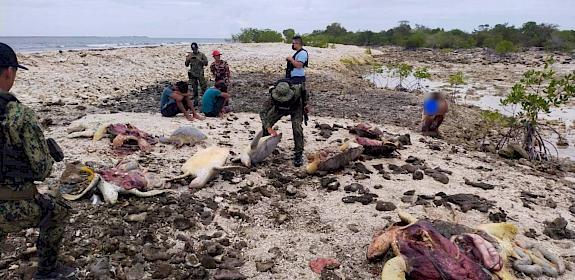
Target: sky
point(221, 19)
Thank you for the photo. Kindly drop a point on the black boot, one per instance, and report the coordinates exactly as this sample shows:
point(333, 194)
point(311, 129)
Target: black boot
point(60, 272)
point(298, 159)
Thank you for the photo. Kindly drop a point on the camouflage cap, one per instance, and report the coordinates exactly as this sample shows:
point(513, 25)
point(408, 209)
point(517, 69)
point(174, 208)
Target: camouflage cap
point(282, 92)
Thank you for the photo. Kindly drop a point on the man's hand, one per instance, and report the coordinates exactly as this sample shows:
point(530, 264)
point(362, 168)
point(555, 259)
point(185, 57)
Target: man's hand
point(190, 118)
point(307, 109)
point(289, 58)
point(272, 132)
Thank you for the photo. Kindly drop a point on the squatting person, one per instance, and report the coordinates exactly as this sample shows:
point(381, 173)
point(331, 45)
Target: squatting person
point(26, 158)
point(286, 99)
point(196, 60)
point(434, 109)
point(215, 100)
point(176, 99)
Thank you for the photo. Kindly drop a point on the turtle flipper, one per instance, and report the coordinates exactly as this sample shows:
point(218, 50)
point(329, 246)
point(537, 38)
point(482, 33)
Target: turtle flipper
point(231, 168)
point(149, 193)
point(109, 191)
point(394, 269)
point(256, 140)
point(180, 177)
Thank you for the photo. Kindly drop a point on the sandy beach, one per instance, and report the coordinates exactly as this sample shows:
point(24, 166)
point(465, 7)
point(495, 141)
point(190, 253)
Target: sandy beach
point(269, 223)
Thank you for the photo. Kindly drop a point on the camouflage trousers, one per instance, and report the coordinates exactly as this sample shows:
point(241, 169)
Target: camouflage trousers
point(47, 213)
point(270, 115)
point(197, 84)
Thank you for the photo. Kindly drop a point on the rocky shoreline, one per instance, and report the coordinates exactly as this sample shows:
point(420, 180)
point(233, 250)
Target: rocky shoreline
point(270, 222)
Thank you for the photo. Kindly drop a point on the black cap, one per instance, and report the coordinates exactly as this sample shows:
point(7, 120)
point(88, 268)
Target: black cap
point(8, 57)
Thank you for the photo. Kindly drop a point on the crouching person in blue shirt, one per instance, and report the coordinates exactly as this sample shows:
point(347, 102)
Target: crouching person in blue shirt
point(176, 99)
point(215, 100)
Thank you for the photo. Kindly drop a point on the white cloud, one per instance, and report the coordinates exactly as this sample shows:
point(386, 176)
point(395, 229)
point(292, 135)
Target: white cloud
point(219, 18)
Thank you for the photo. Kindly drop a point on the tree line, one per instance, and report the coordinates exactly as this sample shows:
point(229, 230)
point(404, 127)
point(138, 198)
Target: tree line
point(503, 38)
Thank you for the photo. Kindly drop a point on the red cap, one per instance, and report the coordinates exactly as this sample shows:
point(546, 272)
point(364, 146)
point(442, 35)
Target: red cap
point(216, 53)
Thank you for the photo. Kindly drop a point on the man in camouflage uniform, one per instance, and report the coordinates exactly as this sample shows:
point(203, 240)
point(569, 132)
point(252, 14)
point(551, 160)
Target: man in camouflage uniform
point(286, 99)
point(196, 61)
point(25, 158)
point(220, 69)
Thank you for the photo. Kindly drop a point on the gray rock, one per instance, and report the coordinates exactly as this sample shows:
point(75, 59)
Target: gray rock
point(291, 190)
point(229, 274)
point(385, 206)
point(264, 266)
point(418, 174)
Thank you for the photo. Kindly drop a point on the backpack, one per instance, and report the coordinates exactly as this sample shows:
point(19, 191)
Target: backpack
point(289, 105)
point(290, 66)
point(14, 165)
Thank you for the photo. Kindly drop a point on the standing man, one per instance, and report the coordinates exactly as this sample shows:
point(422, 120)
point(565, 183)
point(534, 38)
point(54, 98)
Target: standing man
point(26, 158)
point(295, 71)
point(286, 99)
point(220, 69)
point(196, 61)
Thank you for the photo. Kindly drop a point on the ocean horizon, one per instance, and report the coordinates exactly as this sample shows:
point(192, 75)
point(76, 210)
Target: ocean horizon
point(27, 44)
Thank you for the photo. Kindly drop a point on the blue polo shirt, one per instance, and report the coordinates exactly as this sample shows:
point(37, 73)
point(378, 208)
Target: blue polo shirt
point(301, 57)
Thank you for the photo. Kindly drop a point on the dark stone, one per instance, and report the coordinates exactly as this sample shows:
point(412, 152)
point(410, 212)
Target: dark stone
point(531, 233)
point(365, 199)
point(264, 266)
point(572, 209)
point(439, 169)
point(498, 217)
point(333, 186)
point(327, 274)
point(378, 167)
point(385, 206)
point(324, 182)
point(418, 175)
point(557, 229)
point(215, 250)
point(410, 192)
point(361, 168)
point(348, 199)
point(551, 203)
point(162, 271)
point(438, 176)
point(353, 187)
point(468, 202)
point(480, 185)
point(377, 187)
point(208, 262)
point(410, 168)
point(434, 147)
point(404, 139)
point(229, 274)
point(414, 160)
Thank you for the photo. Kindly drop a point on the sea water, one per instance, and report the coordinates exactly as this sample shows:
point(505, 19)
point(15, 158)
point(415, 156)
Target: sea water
point(41, 43)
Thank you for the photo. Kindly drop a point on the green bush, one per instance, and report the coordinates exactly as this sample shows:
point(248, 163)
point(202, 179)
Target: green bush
point(505, 47)
point(252, 35)
point(503, 38)
point(288, 35)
